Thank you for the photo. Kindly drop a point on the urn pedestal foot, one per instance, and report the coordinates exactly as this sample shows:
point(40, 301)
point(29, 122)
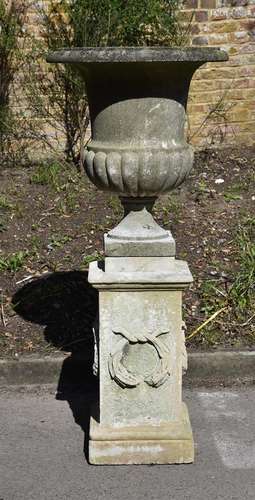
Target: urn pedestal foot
point(138, 235)
point(166, 443)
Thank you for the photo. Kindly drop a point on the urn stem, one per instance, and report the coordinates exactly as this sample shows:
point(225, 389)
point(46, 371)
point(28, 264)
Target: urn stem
point(132, 204)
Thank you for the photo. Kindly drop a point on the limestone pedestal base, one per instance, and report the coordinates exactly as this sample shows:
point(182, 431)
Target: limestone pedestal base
point(167, 443)
point(142, 355)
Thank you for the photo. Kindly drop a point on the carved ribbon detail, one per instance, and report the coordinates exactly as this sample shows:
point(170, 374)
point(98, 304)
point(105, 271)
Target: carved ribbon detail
point(123, 376)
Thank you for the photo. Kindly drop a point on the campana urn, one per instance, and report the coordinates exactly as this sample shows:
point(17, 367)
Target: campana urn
point(137, 100)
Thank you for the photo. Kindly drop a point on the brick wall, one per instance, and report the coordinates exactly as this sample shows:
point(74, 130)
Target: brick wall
point(221, 107)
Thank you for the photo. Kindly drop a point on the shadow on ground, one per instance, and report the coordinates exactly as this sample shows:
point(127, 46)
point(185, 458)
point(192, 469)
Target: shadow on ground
point(67, 305)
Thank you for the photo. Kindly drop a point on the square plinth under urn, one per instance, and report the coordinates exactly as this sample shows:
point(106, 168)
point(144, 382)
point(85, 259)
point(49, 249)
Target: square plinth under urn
point(142, 356)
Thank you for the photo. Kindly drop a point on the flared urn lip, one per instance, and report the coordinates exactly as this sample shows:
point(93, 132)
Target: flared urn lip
point(138, 54)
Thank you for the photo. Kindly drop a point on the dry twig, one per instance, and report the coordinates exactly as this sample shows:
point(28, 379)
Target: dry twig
point(2, 309)
point(211, 318)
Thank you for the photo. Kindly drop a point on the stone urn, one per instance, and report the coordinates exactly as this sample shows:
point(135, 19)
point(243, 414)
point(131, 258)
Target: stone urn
point(137, 100)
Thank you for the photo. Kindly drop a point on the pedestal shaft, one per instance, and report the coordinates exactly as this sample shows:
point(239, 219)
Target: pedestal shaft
point(141, 357)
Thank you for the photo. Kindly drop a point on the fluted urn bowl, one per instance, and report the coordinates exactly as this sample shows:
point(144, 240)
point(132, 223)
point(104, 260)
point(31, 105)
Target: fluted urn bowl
point(137, 99)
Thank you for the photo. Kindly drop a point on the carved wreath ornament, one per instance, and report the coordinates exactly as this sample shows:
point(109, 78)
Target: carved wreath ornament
point(123, 376)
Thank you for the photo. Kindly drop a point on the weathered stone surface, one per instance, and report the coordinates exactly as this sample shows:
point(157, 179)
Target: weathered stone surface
point(137, 384)
point(147, 155)
point(178, 430)
point(138, 235)
point(167, 443)
point(139, 264)
point(137, 54)
point(142, 356)
point(175, 275)
point(141, 452)
point(140, 166)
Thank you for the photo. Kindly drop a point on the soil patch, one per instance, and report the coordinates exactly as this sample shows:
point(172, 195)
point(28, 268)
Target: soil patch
point(52, 222)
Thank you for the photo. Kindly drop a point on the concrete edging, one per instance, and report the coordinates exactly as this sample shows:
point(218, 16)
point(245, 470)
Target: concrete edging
point(204, 367)
point(227, 366)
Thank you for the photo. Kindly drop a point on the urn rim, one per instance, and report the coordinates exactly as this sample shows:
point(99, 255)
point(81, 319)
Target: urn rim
point(138, 54)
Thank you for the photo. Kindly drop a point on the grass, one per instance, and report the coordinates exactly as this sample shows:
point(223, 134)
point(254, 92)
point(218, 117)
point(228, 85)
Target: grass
point(242, 292)
point(115, 204)
point(211, 297)
point(3, 226)
point(240, 187)
point(13, 262)
point(35, 244)
point(5, 204)
point(229, 196)
point(58, 241)
point(234, 297)
point(48, 175)
point(202, 186)
point(168, 209)
point(87, 259)
point(69, 204)
point(208, 235)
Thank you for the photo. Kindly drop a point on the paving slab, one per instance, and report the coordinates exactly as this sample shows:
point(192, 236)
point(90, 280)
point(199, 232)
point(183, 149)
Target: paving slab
point(42, 450)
